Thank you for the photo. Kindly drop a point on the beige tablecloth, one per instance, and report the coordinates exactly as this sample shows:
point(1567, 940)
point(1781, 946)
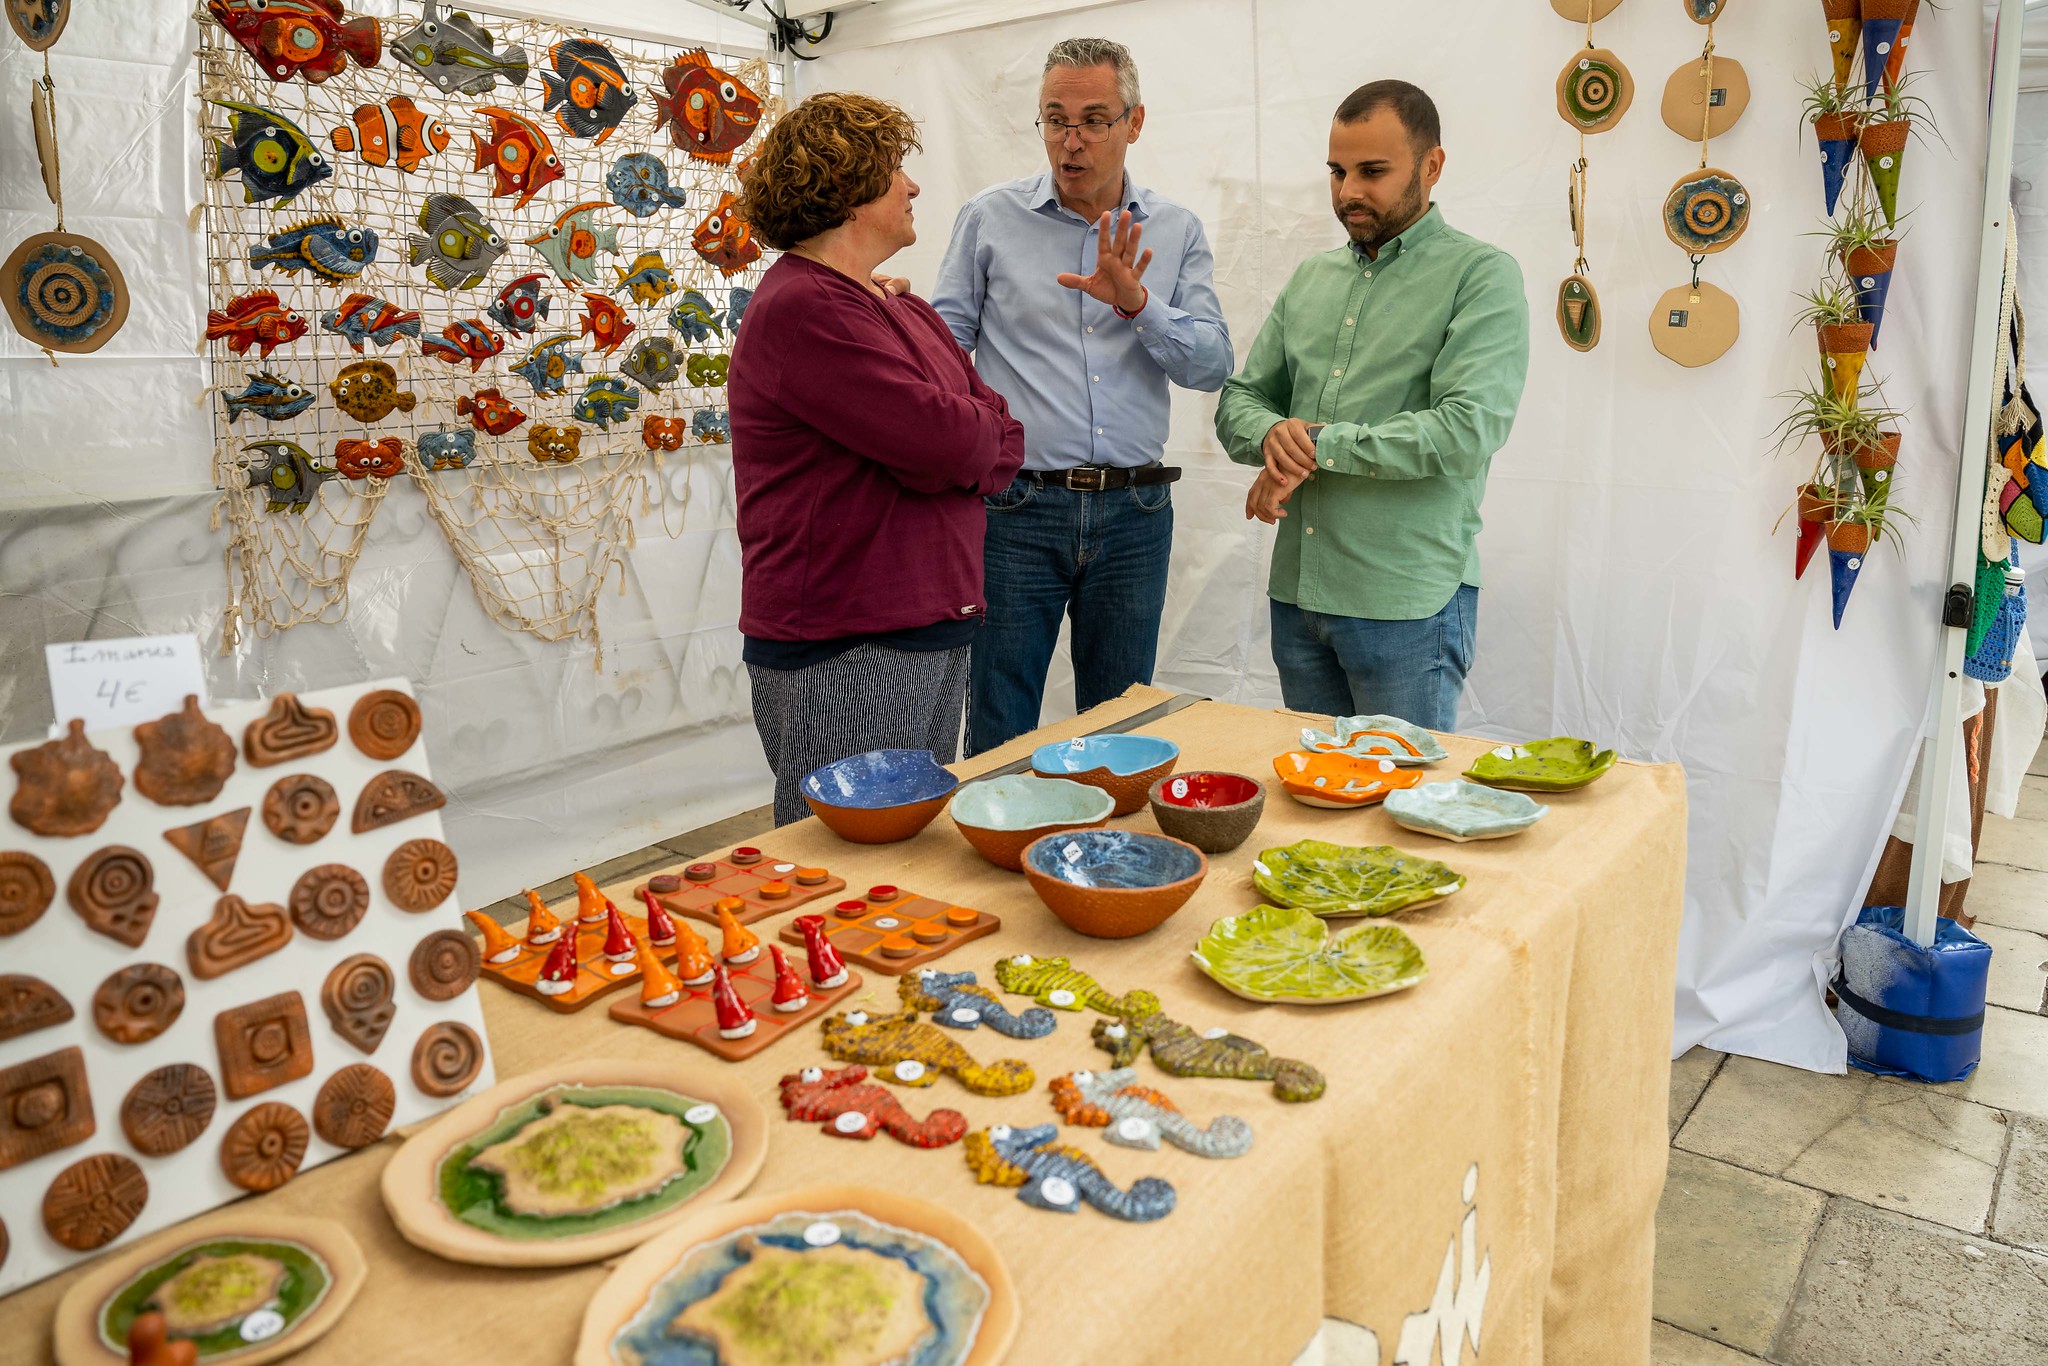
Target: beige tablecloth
point(1484, 1168)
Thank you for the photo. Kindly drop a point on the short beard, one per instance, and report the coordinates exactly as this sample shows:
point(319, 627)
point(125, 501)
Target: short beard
point(1404, 214)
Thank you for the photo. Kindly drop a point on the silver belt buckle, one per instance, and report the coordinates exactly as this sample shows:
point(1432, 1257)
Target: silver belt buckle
point(1088, 479)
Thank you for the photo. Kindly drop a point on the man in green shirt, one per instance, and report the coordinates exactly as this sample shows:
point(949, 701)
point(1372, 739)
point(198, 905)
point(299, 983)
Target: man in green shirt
point(1374, 398)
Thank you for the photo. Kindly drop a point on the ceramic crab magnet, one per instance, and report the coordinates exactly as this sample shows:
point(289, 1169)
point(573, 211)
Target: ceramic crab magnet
point(64, 292)
point(291, 477)
point(659, 433)
point(711, 425)
point(309, 38)
point(456, 54)
point(459, 246)
point(38, 23)
point(709, 113)
point(572, 244)
point(445, 449)
point(557, 445)
point(355, 458)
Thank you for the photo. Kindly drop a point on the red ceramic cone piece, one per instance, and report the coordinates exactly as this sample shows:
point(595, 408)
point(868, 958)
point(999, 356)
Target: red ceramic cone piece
point(661, 931)
point(735, 1021)
point(1810, 536)
point(558, 974)
point(789, 988)
point(827, 970)
point(619, 943)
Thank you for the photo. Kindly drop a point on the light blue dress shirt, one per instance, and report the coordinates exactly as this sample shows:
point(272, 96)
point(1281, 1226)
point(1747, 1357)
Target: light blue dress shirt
point(1089, 386)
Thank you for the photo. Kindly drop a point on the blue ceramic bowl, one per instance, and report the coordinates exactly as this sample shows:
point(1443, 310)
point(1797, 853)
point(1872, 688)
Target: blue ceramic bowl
point(879, 797)
point(1124, 766)
point(1113, 883)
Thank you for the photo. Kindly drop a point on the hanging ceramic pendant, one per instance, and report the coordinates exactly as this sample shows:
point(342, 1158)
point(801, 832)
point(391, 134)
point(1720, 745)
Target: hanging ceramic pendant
point(1692, 102)
point(64, 292)
point(1884, 148)
point(1695, 324)
point(1886, 26)
point(1837, 135)
point(42, 116)
point(1706, 211)
point(1584, 11)
point(1704, 11)
point(1845, 26)
point(1594, 90)
point(1578, 313)
point(38, 23)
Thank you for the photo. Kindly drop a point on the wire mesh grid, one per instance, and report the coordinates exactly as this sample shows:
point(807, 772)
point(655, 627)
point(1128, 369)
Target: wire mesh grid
point(537, 539)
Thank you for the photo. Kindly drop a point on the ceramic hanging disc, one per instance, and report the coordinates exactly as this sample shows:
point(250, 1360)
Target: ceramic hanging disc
point(1578, 313)
point(42, 115)
point(1594, 90)
point(1686, 97)
point(1695, 324)
point(1706, 211)
point(38, 23)
point(1578, 10)
point(1704, 11)
point(64, 291)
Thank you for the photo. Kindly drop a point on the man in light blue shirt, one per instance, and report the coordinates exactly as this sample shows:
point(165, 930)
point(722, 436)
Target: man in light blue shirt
point(1081, 295)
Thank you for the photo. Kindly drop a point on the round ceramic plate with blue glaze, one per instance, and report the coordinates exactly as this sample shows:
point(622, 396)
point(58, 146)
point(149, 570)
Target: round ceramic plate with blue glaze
point(1462, 811)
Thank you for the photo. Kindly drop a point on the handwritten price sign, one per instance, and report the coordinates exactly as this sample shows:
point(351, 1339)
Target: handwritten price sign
point(121, 682)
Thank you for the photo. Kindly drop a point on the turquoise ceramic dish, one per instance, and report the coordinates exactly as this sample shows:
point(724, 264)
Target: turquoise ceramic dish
point(1000, 816)
point(1337, 879)
point(1285, 953)
point(1462, 811)
point(1560, 764)
point(1376, 737)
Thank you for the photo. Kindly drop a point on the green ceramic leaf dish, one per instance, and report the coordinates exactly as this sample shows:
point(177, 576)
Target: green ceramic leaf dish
point(1286, 953)
point(1556, 765)
point(1337, 879)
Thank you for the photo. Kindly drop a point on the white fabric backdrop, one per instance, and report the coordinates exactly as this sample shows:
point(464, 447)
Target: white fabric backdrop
point(1634, 591)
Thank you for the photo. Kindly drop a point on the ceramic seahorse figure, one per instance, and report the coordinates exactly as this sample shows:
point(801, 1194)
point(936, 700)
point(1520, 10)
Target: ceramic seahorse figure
point(1181, 1052)
point(1137, 1116)
point(956, 1001)
point(1055, 982)
point(1055, 1176)
point(914, 1053)
point(850, 1106)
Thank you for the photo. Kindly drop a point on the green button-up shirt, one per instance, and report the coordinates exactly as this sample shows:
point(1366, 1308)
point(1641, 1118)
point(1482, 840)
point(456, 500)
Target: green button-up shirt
point(1415, 362)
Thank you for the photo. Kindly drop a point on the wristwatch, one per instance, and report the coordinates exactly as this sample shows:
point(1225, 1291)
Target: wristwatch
point(1315, 429)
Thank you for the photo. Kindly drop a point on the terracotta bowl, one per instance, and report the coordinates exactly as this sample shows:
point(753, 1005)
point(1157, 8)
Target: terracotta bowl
point(879, 797)
point(1000, 816)
point(1215, 812)
point(1113, 884)
point(1124, 766)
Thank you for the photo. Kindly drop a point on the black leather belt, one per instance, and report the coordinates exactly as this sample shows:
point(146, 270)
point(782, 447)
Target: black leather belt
point(1101, 478)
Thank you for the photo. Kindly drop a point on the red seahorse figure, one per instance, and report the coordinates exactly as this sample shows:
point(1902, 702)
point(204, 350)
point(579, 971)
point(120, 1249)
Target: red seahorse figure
point(851, 1106)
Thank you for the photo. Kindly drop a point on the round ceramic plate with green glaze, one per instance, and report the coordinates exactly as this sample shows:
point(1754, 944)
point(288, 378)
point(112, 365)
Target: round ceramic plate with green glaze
point(1285, 953)
point(1560, 764)
point(1339, 879)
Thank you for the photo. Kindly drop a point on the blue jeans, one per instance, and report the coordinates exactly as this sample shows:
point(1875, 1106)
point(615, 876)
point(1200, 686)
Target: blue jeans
point(1355, 666)
point(1099, 558)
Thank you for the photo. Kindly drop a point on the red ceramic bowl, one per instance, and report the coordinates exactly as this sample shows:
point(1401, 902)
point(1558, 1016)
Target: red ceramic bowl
point(1215, 812)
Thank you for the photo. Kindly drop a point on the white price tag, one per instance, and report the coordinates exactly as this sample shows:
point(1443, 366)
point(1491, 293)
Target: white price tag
point(120, 682)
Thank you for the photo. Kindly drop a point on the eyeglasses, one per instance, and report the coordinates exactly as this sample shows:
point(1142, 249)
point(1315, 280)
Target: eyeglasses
point(1091, 130)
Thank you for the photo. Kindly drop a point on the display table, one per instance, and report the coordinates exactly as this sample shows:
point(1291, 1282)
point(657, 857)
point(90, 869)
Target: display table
point(1485, 1165)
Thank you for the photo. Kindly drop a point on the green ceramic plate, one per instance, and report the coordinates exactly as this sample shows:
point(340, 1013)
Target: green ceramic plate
point(1336, 879)
point(1556, 765)
point(1285, 953)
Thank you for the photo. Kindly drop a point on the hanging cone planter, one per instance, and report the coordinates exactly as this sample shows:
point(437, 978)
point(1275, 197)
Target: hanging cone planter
point(1874, 465)
point(1845, 22)
point(1848, 543)
point(1843, 348)
point(1816, 505)
point(1870, 269)
point(1837, 134)
point(1886, 26)
point(1884, 148)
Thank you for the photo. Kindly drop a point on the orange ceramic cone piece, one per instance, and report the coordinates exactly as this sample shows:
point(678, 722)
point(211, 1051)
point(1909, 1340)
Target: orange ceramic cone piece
point(541, 925)
point(789, 988)
point(740, 945)
point(590, 902)
point(499, 947)
point(827, 970)
point(619, 943)
point(659, 988)
point(558, 974)
point(693, 956)
point(735, 1021)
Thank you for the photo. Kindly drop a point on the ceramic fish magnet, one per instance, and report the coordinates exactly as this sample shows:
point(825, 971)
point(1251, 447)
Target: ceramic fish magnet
point(572, 244)
point(270, 397)
point(63, 292)
point(490, 411)
point(367, 390)
point(274, 156)
point(711, 425)
point(383, 458)
point(455, 53)
point(460, 245)
point(588, 89)
point(367, 318)
point(726, 240)
point(605, 323)
point(662, 433)
point(708, 371)
point(609, 399)
point(323, 247)
point(256, 319)
point(736, 306)
point(521, 306)
point(464, 340)
point(654, 361)
point(695, 319)
point(518, 153)
point(445, 449)
point(309, 38)
point(558, 445)
point(392, 134)
point(283, 470)
point(548, 366)
point(649, 280)
point(638, 183)
point(707, 112)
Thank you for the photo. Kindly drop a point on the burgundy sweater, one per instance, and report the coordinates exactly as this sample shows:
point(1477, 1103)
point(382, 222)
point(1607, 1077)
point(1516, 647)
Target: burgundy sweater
point(862, 444)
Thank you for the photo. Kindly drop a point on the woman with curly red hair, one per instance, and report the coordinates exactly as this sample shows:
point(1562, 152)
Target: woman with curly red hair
point(863, 443)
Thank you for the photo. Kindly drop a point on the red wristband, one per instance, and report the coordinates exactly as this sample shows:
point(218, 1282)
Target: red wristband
point(1136, 311)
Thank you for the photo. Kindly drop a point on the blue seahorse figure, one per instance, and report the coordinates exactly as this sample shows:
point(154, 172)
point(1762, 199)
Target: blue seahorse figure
point(1053, 1176)
point(953, 999)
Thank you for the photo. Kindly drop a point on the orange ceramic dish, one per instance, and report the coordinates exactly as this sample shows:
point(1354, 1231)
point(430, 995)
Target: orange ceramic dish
point(1341, 780)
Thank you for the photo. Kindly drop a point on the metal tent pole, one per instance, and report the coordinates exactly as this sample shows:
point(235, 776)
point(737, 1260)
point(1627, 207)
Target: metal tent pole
point(1939, 752)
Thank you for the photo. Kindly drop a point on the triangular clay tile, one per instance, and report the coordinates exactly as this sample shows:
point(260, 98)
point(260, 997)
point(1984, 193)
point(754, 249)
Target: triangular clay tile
point(393, 796)
point(213, 845)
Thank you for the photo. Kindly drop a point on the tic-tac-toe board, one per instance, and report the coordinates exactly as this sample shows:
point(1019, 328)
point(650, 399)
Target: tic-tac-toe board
point(596, 975)
point(892, 931)
point(767, 885)
point(693, 1020)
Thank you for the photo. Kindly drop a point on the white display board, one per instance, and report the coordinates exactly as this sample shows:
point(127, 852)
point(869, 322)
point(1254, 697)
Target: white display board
point(62, 951)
